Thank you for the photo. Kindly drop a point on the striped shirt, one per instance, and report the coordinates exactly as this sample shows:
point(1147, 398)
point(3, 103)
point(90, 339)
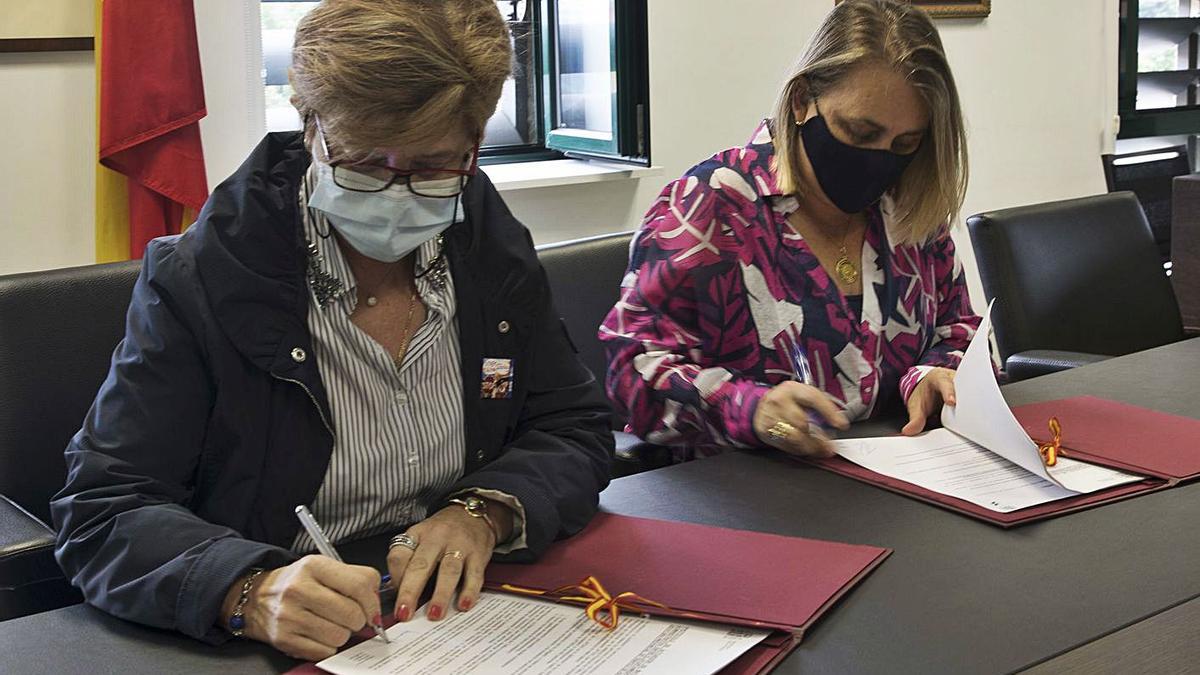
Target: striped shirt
point(399, 437)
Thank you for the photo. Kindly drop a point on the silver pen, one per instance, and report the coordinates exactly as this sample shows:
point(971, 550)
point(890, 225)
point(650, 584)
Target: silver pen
point(326, 548)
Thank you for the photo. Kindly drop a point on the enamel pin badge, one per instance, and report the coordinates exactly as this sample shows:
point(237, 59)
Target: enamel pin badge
point(496, 381)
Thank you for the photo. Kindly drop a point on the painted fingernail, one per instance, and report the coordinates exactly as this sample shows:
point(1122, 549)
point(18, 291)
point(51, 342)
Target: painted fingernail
point(435, 612)
point(403, 613)
point(465, 604)
point(377, 621)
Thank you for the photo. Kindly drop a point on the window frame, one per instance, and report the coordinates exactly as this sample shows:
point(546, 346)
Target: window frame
point(537, 150)
point(631, 106)
point(631, 109)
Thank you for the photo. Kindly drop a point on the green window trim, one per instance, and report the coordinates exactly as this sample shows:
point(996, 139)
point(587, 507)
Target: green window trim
point(629, 140)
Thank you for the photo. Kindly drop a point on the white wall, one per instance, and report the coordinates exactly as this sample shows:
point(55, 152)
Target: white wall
point(48, 127)
point(230, 38)
point(1038, 80)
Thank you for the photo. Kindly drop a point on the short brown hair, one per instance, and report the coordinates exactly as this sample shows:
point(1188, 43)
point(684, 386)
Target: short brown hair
point(383, 73)
point(930, 193)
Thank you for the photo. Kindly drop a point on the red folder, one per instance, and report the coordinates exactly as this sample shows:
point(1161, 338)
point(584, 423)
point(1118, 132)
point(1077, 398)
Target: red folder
point(727, 576)
point(1164, 448)
point(699, 572)
point(1120, 436)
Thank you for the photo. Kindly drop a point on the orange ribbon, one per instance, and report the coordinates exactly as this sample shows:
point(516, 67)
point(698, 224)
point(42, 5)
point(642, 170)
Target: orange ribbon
point(600, 606)
point(1050, 450)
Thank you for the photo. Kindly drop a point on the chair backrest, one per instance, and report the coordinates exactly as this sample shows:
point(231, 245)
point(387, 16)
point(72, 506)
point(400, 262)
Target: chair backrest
point(1149, 175)
point(58, 330)
point(585, 278)
point(1185, 249)
point(1077, 275)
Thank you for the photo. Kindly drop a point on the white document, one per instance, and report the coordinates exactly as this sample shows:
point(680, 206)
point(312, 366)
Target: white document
point(513, 634)
point(983, 454)
point(945, 462)
point(983, 416)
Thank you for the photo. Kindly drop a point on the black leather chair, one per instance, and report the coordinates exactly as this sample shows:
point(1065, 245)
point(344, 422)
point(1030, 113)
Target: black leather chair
point(1185, 250)
point(1149, 175)
point(585, 278)
point(1075, 282)
point(58, 330)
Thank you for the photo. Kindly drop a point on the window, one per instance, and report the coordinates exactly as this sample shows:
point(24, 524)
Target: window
point(279, 21)
point(579, 83)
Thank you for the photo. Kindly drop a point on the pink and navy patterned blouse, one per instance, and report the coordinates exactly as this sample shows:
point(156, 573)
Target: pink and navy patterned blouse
point(720, 287)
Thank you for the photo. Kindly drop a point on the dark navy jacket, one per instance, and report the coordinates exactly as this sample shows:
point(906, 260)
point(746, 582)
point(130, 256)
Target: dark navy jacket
point(211, 426)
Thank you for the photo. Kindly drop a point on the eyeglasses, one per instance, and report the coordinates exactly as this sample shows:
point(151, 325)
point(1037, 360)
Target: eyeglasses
point(425, 182)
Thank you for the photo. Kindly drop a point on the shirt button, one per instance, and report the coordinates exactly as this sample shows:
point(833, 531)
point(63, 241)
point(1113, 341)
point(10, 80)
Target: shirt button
point(480, 455)
point(401, 398)
point(298, 355)
point(413, 459)
point(503, 327)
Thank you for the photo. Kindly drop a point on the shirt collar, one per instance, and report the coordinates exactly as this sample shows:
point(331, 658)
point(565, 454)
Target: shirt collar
point(327, 265)
point(761, 155)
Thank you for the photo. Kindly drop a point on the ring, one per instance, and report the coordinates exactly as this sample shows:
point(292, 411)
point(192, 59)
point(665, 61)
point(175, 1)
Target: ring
point(457, 555)
point(404, 539)
point(780, 431)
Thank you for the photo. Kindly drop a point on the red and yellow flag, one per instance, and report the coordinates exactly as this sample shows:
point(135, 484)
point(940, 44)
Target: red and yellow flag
point(150, 178)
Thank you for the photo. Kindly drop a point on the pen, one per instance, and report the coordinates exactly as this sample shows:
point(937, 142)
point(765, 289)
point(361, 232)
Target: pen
point(326, 548)
point(817, 426)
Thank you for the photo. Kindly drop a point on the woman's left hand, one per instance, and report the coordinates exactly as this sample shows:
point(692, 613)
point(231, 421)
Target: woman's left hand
point(457, 547)
point(936, 388)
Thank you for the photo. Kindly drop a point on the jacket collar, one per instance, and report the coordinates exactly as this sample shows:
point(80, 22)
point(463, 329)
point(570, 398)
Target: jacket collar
point(249, 253)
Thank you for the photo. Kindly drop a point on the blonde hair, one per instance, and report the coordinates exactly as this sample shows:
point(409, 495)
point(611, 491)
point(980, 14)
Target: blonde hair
point(930, 193)
point(386, 73)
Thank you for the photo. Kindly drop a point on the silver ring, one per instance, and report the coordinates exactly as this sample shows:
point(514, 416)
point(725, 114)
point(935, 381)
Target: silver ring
point(403, 539)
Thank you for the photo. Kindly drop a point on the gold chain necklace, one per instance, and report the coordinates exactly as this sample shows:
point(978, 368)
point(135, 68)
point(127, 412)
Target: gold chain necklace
point(408, 329)
point(845, 269)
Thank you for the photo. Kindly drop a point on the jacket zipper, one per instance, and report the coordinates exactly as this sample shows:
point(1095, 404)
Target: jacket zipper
point(328, 427)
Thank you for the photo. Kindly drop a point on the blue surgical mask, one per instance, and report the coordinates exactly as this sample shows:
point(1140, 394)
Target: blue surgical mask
point(385, 225)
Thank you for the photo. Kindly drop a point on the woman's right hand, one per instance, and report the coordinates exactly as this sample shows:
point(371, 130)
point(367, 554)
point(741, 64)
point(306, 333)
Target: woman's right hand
point(309, 608)
point(790, 402)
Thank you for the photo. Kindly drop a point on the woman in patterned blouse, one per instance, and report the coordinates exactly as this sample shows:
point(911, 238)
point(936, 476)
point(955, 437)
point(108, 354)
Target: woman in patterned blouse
point(823, 243)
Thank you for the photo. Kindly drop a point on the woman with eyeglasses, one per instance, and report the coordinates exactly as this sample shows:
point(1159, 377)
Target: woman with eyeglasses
point(781, 289)
point(356, 324)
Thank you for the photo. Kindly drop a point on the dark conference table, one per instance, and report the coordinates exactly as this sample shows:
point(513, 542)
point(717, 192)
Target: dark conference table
point(1111, 589)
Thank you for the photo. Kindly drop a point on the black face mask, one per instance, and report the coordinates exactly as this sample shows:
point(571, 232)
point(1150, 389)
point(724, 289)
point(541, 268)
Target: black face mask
point(853, 178)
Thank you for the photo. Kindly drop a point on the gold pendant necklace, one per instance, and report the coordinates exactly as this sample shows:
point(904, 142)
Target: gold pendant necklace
point(844, 268)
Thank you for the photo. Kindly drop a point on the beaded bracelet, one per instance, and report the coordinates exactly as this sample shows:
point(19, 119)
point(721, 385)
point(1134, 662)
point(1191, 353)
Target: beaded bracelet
point(237, 622)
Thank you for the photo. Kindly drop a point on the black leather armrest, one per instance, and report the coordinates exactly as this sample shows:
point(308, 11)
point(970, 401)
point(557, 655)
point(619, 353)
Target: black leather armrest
point(635, 455)
point(26, 545)
point(1035, 362)
point(30, 579)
